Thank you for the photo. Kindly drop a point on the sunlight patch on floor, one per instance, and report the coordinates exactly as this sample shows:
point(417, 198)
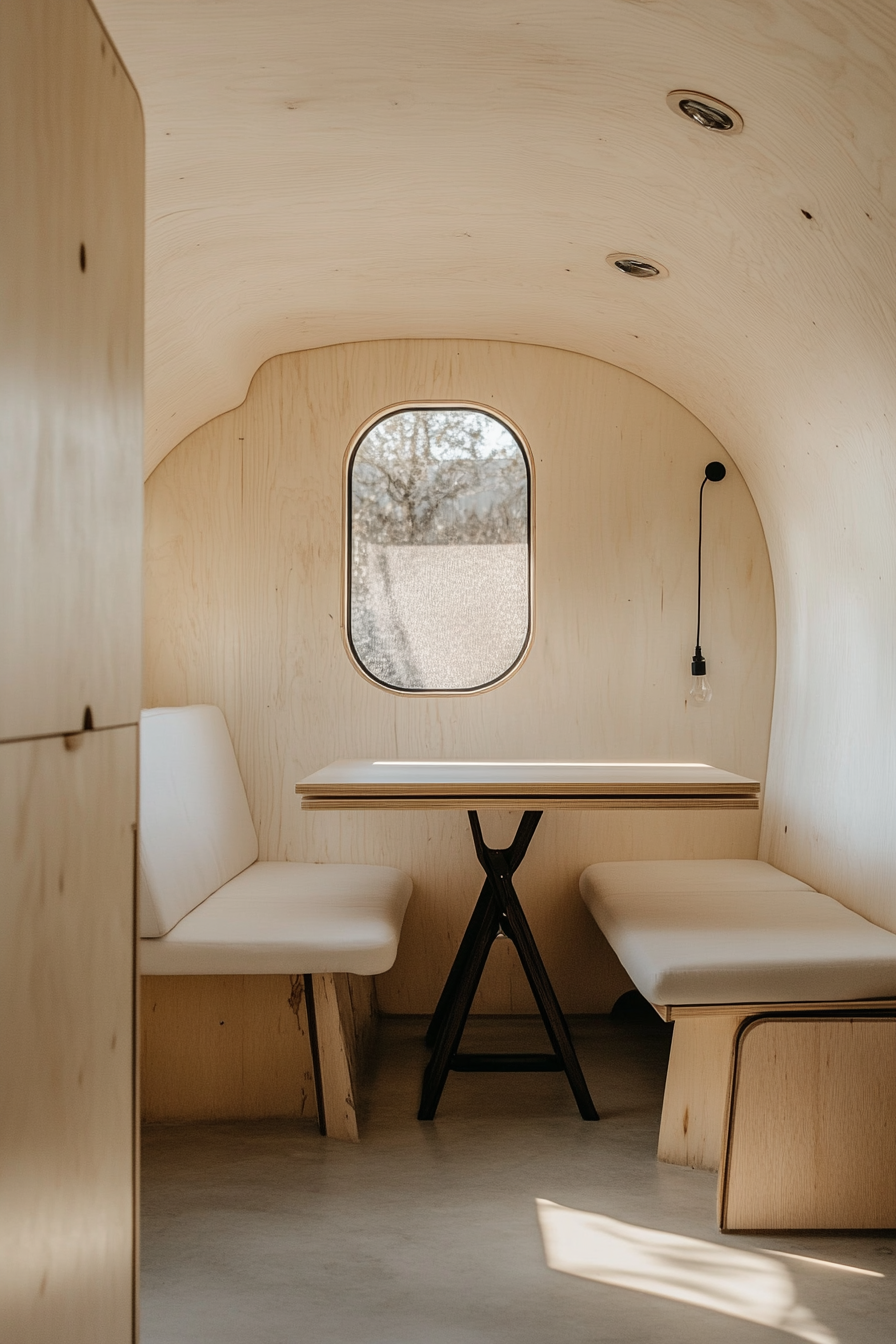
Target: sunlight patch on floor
point(745, 1284)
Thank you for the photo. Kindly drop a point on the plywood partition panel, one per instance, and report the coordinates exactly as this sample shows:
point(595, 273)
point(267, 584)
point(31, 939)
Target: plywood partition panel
point(71, 429)
point(243, 609)
point(71, 372)
point(67, 1194)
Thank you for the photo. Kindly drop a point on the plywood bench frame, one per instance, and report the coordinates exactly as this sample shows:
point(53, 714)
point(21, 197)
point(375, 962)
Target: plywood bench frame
point(242, 1047)
point(809, 1140)
point(698, 1081)
point(701, 1094)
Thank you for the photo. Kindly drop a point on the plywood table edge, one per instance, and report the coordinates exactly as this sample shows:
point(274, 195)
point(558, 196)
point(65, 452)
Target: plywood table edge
point(516, 802)
point(396, 788)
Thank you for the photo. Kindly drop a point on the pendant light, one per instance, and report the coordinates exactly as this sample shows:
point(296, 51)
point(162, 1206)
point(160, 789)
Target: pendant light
point(701, 691)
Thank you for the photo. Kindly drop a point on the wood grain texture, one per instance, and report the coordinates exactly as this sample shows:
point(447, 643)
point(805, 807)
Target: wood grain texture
point(223, 1047)
point(775, 326)
point(67, 1196)
point(71, 373)
point(696, 1095)
point(243, 556)
point(811, 1141)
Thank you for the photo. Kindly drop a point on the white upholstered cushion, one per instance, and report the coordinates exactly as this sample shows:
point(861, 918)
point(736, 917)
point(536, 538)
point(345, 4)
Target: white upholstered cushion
point(287, 918)
point(196, 832)
point(735, 931)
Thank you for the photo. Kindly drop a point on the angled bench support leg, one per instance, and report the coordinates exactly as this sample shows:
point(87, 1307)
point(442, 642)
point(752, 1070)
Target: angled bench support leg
point(696, 1095)
point(331, 1059)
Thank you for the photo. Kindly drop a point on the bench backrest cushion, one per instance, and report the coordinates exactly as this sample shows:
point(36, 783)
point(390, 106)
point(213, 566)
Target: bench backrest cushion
point(196, 832)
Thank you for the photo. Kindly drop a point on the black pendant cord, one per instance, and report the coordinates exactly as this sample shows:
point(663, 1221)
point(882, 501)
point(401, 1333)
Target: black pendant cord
point(697, 653)
point(715, 471)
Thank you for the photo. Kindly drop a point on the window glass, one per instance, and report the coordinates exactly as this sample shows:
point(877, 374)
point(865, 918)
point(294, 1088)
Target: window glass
point(439, 503)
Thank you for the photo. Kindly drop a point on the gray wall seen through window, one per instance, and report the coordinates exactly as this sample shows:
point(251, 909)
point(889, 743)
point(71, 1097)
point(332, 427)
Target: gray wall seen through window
point(439, 503)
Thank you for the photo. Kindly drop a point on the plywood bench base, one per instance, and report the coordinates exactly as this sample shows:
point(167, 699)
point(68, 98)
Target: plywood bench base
point(237, 1047)
point(811, 1133)
point(695, 1102)
point(793, 1104)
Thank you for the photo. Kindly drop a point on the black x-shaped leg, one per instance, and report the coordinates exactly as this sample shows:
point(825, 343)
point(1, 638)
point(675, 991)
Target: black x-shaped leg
point(498, 911)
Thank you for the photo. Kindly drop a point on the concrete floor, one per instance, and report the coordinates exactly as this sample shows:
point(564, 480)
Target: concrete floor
point(264, 1233)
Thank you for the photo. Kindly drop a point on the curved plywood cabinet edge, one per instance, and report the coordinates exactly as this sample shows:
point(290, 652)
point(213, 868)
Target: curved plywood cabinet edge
point(107, 37)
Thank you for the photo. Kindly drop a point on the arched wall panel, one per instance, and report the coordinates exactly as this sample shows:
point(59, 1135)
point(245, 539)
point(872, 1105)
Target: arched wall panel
point(244, 538)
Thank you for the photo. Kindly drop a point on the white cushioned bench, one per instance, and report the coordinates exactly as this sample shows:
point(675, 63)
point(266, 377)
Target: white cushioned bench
point(722, 945)
point(288, 918)
point(209, 907)
point(721, 931)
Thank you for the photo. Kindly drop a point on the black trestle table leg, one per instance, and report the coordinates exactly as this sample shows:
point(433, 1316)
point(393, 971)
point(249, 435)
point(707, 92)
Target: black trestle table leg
point(498, 910)
point(455, 1017)
point(482, 915)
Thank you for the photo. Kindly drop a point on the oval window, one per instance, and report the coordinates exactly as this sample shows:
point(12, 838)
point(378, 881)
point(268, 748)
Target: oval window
point(438, 591)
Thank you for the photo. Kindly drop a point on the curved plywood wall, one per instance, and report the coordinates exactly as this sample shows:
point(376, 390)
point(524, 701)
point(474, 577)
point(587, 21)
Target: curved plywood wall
point(244, 548)
point(321, 174)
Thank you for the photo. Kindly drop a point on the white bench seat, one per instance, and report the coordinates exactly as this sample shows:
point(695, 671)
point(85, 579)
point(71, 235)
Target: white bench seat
point(280, 918)
point(729, 931)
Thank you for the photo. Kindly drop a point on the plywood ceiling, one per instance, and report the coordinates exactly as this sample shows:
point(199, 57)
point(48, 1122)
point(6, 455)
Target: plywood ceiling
point(338, 170)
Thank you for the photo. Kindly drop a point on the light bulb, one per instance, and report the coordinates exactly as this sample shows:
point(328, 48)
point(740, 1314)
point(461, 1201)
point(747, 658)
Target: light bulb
point(701, 691)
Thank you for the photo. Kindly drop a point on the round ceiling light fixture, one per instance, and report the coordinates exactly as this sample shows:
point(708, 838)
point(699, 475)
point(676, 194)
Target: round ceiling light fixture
point(642, 268)
point(710, 113)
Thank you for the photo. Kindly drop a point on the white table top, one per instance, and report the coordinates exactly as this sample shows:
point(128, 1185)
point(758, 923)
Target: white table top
point(524, 784)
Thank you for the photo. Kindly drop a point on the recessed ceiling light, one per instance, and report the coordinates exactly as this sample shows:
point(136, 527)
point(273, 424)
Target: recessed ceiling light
point(710, 113)
point(640, 267)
